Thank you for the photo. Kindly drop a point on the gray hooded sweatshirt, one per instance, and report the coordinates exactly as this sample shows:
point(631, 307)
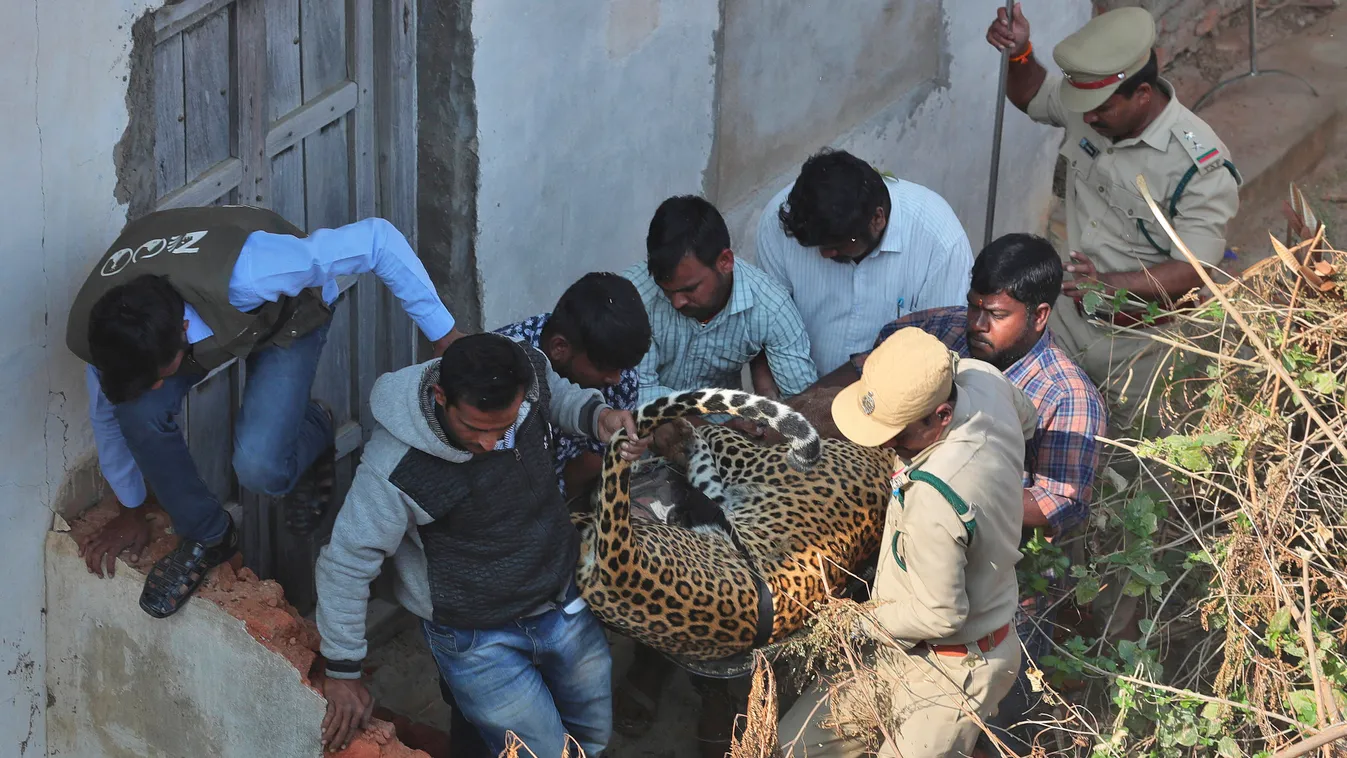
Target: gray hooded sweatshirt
point(380, 521)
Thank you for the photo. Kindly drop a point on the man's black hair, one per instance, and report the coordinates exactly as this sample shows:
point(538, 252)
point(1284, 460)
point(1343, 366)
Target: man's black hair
point(135, 330)
point(486, 371)
point(833, 199)
point(1149, 74)
point(602, 316)
point(1023, 266)
point(682, 225)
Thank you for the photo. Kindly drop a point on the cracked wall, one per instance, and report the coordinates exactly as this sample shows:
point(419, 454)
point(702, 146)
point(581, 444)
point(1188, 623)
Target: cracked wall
point(63, 99)
point(232, 674)
point(589, 114)
point(766, 119)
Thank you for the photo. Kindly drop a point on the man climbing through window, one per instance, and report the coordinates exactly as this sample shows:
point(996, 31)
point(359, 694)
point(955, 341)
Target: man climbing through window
point(182, 292)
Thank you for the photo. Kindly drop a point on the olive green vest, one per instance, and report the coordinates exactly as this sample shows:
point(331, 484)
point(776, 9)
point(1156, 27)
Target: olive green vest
point(196, 249)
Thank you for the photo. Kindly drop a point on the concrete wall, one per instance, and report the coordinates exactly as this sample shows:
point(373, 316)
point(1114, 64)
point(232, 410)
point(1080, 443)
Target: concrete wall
point(786, 88)
point(589, 113)
point(939, 132)
point(447, 155)
point(63, 100)
point(589, 117)
point(124, 685)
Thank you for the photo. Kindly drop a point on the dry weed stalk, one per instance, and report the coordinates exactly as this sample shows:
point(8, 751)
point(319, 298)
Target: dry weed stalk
point(757, 737)
point(1256, 485)
point(515, 748)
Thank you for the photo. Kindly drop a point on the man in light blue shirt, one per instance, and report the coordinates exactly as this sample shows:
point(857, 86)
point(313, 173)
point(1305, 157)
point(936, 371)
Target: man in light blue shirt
point(184, 291)
point(857, 250)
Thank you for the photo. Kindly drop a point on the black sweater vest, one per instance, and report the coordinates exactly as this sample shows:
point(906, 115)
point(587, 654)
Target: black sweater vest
point(502, 545)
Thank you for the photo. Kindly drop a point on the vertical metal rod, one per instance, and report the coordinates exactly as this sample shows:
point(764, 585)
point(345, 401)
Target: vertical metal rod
point(1253, 37)
point(996, 133)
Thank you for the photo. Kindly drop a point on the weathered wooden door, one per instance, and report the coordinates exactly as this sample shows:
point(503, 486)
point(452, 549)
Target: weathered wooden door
point(306, 107)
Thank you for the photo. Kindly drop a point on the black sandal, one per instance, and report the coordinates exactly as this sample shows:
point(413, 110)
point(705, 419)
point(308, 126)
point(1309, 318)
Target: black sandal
point(176, 576)
point(308, 503)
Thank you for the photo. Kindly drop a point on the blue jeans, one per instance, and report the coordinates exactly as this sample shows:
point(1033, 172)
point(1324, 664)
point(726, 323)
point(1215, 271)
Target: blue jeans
point(278, 434)
point(541, 677)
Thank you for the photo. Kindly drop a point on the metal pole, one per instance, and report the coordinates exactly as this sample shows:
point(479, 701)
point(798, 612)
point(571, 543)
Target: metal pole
point(1253, 37)
point(996, 133)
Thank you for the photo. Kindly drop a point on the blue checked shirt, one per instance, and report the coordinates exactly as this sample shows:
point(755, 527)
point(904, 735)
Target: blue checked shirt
point(568, 447)
point(687, 355)
point(923, 261)
point(1061, 459)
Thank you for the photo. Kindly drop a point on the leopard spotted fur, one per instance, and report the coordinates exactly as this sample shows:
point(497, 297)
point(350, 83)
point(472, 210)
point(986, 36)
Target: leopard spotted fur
point(807, 511)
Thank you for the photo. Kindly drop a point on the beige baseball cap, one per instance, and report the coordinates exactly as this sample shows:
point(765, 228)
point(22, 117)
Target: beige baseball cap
point(1102, 55)
point(904, 380)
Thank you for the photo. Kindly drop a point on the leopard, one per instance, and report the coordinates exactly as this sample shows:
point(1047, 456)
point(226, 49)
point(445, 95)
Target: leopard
point(798, 518)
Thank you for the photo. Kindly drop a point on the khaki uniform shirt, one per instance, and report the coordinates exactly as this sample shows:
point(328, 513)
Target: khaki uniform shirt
point(1103, 204)
point(946, 590)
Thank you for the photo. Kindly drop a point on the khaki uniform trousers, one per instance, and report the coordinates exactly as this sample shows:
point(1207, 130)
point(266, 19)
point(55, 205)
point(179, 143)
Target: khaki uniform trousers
point(931, 698)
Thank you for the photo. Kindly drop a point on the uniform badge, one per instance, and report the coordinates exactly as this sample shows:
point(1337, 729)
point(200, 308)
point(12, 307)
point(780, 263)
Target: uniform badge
point(1200, 153)
point(1088, 147)
point(868, 403)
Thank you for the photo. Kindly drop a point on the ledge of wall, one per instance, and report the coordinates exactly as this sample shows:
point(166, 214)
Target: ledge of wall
point(228, 675)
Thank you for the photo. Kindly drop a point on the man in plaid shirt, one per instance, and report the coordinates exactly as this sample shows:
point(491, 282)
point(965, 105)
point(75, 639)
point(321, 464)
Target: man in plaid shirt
point(1016, 281)
point(595, 337)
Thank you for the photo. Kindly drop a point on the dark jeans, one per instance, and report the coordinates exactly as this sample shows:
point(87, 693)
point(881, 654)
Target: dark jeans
point(1022, 702)
point(542, 677)
point(277, 436)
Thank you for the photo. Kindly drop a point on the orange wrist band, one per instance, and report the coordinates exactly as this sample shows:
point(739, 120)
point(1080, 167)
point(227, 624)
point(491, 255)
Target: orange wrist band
point(1024, 56)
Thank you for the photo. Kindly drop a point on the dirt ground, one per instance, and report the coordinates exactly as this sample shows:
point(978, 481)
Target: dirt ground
point(1227, 45)
point(1227, 49)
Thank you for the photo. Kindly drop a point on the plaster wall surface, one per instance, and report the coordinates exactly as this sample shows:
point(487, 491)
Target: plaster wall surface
point(793, 80)
point(63, 100)
point(939, 132)
point(124, 685)
point(589, 113)
point(589, 116)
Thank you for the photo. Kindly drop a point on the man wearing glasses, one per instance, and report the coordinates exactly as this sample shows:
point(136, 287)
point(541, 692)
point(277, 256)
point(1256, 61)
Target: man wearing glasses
point(857, 250)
